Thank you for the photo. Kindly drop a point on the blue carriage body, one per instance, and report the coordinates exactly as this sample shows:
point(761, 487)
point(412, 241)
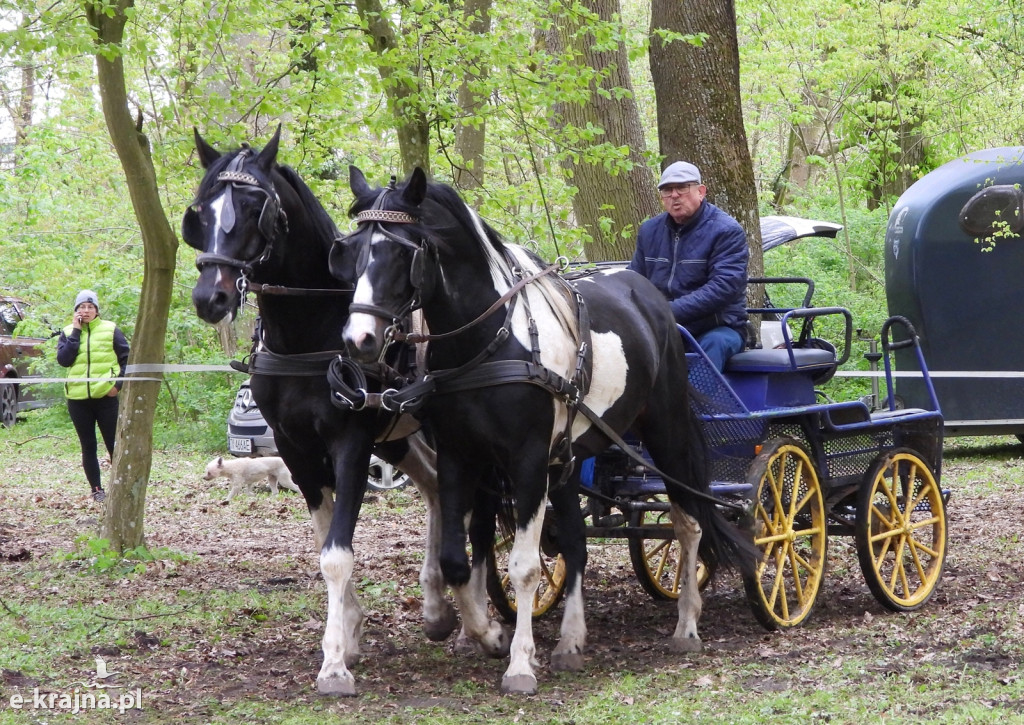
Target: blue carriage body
point(767, 394)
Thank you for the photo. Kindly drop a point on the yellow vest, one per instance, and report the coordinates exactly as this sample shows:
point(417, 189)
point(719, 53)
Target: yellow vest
point(96, 359)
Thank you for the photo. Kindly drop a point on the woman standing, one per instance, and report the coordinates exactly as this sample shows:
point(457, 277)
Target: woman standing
point(96, 351)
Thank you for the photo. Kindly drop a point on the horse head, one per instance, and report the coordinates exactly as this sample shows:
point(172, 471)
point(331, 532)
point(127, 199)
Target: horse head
point(233, 222)
point(389, 258)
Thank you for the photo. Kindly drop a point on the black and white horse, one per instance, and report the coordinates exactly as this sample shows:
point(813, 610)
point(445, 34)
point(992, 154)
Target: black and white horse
point(514, 354)
point(258, 226)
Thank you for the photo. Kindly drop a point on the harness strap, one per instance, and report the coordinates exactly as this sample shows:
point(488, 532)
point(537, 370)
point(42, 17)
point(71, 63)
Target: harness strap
point(509, 295)
point(276, 289)
point(209, 258)
point(308, 364)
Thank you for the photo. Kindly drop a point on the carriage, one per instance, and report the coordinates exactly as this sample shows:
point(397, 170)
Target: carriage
point(805, 467)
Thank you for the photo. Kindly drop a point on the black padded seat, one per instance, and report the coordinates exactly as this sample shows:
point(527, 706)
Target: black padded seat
point(807, 359)
point(899, 413)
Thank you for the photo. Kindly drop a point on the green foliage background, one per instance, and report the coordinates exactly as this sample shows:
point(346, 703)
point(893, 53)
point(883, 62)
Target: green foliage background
point(947, 69)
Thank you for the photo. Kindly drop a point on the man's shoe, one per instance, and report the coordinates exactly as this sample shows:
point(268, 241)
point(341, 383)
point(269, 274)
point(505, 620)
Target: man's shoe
point(99, 495)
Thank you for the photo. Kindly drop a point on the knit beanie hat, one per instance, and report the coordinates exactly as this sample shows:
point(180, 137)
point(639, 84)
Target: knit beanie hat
point(87, 295)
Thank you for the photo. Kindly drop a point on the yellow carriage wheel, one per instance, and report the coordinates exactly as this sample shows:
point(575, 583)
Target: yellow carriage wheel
point(790, 531)
point(901, 530)
point(657, 562)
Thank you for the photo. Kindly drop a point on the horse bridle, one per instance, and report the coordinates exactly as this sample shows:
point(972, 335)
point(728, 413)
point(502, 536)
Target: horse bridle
point(419, 271)
point(272, 223)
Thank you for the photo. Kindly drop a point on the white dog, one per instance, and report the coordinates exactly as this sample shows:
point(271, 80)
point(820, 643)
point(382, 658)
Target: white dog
point(245, 472)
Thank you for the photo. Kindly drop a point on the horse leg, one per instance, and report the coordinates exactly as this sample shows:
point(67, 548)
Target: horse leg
point(420, 463)
point(321, 516)
point(524, 573)
point(568, 654)
point(344, 623)
point(345, 617)
point(492, 638)
point(688, 532)
point(468, 583)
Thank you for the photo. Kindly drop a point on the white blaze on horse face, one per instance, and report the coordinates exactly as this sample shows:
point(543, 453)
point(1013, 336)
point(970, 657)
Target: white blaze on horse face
point(361, 324)
point(217, 207)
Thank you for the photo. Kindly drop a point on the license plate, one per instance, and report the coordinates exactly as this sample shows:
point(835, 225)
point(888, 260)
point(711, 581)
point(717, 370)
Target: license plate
point(240, 445)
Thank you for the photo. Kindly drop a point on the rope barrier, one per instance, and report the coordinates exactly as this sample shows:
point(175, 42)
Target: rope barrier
point(131, 373)
point(984, 374)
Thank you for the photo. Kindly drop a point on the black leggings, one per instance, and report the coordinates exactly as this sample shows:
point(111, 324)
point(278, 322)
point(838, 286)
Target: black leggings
point(86, 415)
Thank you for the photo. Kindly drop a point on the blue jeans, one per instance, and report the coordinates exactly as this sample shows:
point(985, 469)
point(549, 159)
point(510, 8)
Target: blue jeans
point(720, 344)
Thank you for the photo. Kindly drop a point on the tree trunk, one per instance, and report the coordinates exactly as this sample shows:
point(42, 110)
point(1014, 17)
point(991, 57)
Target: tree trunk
point(700, 117)
point(23, 118)
point(896, 142)
point(133, 450)
point(410, 123)
point(471, 132)
point(609, 206)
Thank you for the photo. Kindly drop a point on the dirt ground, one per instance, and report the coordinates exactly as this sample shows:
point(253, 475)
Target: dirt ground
point(263, 544)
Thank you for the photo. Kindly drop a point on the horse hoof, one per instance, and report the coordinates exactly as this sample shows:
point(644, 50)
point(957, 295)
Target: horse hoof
point(464, 646)
point(569, 662)
point(440, 630)
point(686, 645)
point(336, 686)
point(502, 647)
point(351, 660)
point(519, 685)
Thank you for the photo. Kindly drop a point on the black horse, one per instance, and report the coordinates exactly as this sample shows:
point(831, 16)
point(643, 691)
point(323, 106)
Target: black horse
point(259, 227)
point(515, 356)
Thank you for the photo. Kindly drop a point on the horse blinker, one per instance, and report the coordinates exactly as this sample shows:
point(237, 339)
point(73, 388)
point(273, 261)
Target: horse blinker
point(192, 228)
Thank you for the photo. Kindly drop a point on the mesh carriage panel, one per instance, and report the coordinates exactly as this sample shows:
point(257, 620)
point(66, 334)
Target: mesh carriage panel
point(730, 433)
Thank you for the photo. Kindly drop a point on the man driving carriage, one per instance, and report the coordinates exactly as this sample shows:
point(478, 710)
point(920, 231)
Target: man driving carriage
point(696, 254)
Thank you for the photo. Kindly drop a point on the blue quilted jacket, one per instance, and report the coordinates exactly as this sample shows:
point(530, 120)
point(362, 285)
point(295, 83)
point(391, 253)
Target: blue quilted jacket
point(700, 267)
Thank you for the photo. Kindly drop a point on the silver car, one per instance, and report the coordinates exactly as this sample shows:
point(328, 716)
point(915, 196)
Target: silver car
point(249, 435)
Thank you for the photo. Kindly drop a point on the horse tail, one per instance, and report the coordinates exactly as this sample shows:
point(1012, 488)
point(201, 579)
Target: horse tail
point(722, 543)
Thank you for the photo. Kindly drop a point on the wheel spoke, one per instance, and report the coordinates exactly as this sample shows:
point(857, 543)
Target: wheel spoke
point(797, 478)
point(794, 563)
point(659, 553)
point(918, 564)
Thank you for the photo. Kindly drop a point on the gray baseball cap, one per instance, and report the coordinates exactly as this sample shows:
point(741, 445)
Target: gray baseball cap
point(681, 172)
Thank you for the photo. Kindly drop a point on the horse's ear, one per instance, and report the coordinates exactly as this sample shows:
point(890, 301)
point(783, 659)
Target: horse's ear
point(207, 153)
point(268, 155)
point(415, 188)
point(357, 182)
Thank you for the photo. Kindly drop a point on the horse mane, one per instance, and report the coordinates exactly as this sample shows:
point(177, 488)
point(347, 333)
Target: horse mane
point(323, 225)
point(552, 288)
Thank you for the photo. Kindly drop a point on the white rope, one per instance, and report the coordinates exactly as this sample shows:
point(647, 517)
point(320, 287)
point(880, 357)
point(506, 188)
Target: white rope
point(131, 373)
point(984, 374)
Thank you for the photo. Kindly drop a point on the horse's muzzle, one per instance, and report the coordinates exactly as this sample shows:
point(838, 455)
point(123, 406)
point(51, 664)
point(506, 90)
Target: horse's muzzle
point(213, 305)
